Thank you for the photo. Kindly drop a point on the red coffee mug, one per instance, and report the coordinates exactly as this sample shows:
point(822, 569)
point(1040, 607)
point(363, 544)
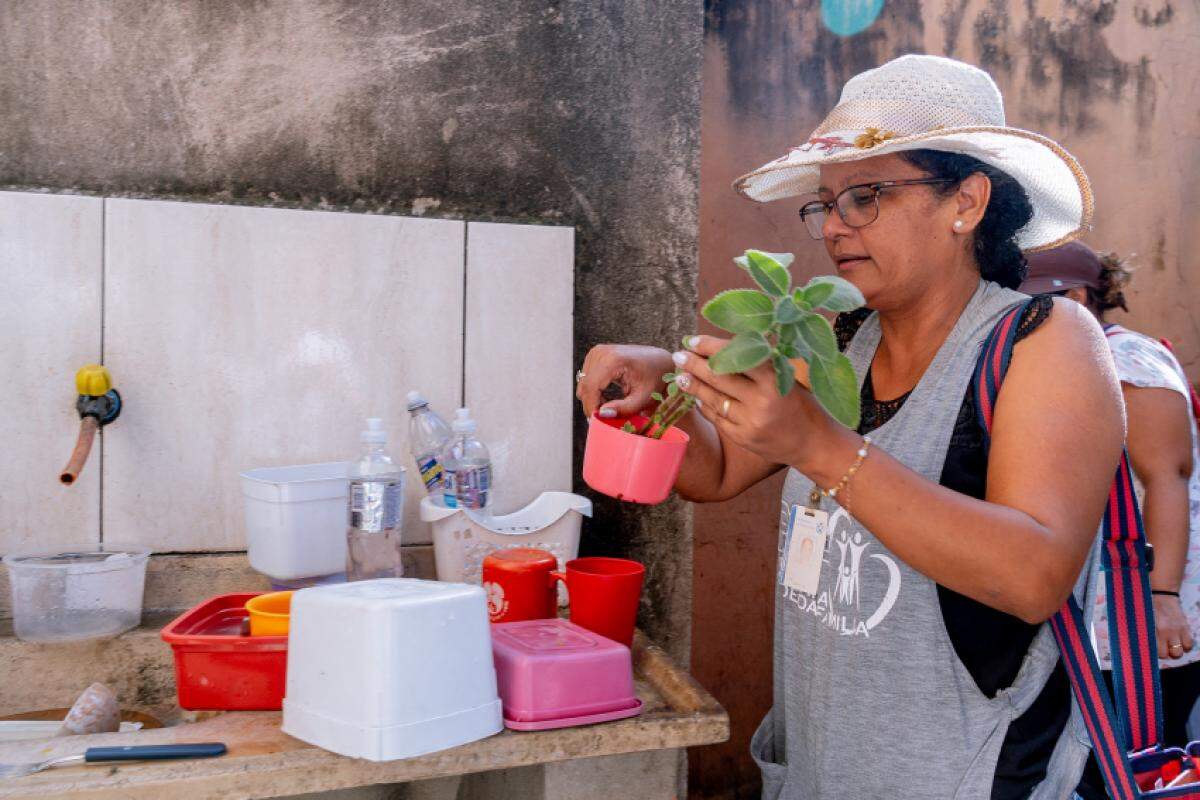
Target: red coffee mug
point(604, 594)
point(519, 584)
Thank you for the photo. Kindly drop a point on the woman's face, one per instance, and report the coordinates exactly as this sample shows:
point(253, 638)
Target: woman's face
point(909, 246)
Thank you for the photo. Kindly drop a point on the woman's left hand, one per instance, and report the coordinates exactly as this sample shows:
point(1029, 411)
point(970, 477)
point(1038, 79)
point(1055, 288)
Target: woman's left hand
point(1171, 627)
point(747, 408)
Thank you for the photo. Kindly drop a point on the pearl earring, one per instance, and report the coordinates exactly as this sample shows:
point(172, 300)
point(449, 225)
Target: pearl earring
point(958, 223)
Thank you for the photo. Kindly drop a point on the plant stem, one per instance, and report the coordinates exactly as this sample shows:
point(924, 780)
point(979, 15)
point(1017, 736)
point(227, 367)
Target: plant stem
point(665, 408)
point(649, 424)
point(678, 415)
point(682, 406)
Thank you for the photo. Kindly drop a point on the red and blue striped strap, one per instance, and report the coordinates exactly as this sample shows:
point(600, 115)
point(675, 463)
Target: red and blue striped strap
point(1138, 726)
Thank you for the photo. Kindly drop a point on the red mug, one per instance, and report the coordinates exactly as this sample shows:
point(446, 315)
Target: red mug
point(519, 584)
point(604, 594)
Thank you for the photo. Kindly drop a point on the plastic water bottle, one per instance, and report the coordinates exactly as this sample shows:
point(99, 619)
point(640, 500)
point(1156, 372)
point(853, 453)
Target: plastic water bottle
point(376, 507)
point(467, 465)
point(428, 435)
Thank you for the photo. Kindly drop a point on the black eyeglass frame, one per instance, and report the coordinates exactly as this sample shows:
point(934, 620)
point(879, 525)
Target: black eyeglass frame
point(815, 206)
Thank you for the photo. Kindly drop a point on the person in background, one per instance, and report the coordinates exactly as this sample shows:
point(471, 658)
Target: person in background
point(1163, 451)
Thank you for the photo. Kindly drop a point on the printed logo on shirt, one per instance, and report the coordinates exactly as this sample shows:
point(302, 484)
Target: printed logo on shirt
point(849, 574)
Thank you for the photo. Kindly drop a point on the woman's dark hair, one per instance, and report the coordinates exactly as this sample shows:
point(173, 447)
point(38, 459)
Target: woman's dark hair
point(1115, 275)
point(1008, 210)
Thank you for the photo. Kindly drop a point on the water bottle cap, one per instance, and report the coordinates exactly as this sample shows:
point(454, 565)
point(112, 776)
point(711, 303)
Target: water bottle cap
point(415, 401)
point(374, 434)
point(463, 422)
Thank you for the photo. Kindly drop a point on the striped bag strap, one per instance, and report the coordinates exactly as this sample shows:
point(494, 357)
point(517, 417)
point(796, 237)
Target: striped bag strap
point(1124, 559)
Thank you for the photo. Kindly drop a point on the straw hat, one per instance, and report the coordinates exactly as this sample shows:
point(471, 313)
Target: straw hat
point(929, 102)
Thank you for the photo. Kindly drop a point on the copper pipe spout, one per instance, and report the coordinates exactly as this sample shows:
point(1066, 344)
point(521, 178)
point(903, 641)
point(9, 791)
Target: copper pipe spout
point(83, 446)
point(98, 405)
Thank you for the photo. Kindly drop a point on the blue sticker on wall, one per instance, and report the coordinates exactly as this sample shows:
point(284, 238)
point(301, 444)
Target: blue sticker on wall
point(848, 17)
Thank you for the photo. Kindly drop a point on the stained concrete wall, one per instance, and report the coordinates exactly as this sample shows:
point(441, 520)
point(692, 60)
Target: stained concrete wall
point(583, 113)
point(1113, 81)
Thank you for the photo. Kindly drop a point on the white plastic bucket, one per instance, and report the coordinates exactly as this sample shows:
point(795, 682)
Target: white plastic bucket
point(296, 519)
point(463, 538)
point(390, 668)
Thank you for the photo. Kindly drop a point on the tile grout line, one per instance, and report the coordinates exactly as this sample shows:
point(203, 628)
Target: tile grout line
point(463, 370)
point(103, 304)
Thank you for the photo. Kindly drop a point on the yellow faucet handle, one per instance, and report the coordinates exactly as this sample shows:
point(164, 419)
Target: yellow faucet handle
point(93, 380)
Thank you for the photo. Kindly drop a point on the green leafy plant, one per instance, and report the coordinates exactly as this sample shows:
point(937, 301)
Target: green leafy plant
point(669, 411)
point(781, 323)
point(776, 324)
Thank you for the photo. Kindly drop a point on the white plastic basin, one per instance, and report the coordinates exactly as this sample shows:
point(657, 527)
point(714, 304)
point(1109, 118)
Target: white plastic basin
point(390, 668)
point(296, 519)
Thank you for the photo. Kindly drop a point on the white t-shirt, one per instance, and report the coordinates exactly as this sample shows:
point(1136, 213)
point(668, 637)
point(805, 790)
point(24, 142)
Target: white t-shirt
point(1144, 362)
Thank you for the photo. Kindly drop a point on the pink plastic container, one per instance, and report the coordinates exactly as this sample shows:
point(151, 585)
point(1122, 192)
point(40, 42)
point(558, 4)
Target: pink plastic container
point(628, 467)
point(554, 674)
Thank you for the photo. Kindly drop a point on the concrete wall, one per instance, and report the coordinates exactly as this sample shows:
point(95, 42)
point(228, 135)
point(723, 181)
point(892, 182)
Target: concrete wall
point(572, 113)
point(1113, 81)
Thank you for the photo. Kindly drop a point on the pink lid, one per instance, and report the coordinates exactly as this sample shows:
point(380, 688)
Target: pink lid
point(554, 673)
point(550, 637)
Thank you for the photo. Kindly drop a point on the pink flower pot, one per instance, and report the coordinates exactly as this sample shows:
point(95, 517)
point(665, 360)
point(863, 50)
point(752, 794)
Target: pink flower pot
point(630, 467)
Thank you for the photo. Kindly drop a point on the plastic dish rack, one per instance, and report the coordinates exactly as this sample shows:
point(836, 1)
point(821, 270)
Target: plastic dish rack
point(462, 538)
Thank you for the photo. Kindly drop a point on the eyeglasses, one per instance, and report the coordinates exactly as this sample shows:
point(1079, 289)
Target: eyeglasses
point(858, 206)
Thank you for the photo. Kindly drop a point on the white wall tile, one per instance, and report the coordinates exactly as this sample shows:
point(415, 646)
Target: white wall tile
point(249, 337)
point(519, 370)
point(50, 276)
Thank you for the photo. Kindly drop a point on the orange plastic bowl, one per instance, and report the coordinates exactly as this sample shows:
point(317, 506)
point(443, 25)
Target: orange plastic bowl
point(270, 614)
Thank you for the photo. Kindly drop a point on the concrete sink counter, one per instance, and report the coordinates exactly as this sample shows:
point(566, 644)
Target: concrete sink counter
point(637, 757)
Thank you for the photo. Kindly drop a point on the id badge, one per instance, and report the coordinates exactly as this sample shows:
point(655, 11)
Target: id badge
point(807, 531)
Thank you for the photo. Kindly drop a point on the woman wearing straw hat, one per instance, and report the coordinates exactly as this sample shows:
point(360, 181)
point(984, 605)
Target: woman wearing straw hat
point(915, 662)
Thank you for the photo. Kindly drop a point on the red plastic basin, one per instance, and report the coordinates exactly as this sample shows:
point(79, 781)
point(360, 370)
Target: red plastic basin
point(217, 668)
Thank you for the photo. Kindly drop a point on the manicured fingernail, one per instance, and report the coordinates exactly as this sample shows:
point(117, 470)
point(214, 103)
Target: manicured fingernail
point(683, 380)
point(608, 413)
point(690, 342)
point(679, 358)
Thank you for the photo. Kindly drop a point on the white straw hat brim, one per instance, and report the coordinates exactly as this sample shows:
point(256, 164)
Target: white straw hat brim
point(1056, 185)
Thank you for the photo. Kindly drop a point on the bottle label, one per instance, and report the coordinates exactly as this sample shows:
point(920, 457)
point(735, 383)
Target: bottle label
point(448, 498)
point(375, 505)
point(472, 486)
point(431, 472)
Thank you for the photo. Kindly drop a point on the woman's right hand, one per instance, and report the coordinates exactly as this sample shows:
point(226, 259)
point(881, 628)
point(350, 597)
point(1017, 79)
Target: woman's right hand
point(1171, 628)
point(636, 370)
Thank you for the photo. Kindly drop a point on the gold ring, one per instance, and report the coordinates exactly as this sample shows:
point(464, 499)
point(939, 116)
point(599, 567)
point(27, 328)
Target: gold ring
point(725, 408)
point(1175, 646)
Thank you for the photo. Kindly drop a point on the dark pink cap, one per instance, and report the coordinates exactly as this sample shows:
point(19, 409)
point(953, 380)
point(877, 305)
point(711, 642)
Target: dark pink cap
point(1067, 267)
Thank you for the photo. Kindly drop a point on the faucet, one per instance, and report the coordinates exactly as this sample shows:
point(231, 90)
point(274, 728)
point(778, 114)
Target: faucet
point(98, 405)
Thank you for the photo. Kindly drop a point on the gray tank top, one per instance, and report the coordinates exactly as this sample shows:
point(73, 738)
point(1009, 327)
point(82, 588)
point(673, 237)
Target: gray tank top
point(871, 700)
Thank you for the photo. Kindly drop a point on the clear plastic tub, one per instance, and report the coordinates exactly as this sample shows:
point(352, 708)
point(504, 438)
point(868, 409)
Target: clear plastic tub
point(87, 591)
